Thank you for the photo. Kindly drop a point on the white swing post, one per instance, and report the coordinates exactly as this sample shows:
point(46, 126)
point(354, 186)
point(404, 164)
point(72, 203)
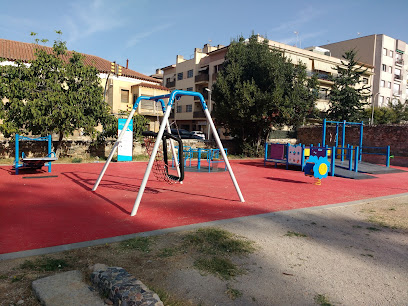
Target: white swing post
point(119, 139)
point(172, 97)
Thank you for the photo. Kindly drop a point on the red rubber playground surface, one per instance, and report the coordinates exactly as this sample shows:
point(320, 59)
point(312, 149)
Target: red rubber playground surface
point(43, 212)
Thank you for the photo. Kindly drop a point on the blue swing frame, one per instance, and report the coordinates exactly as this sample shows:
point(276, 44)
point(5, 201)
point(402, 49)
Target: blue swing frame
point(34, 163)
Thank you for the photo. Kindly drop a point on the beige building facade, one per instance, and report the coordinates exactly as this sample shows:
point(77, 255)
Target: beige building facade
point(389, 57)
point(200, 72)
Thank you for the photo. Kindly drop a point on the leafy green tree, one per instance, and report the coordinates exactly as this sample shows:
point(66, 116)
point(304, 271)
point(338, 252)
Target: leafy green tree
point(348, 95)
point(394, 113)
point(139, 125)
point(258, 89)
point(55, 93)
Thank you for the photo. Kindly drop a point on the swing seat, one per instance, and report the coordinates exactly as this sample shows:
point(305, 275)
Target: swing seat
point(37, 162)
point(161, 166)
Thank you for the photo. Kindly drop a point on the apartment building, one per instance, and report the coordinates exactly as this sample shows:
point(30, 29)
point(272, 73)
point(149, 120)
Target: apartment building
point(121, 87)
point(200, 72)
point(388, 56)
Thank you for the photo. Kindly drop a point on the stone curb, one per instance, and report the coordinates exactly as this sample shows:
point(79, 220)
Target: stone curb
point(122, 288)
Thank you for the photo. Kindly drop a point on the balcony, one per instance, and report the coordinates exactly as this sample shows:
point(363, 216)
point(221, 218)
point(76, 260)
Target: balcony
point(198, 115)
point(399, 61)
point(397, 77)
point(205, 95)
point(396, 92)
point(171, 84)
point(202, 78)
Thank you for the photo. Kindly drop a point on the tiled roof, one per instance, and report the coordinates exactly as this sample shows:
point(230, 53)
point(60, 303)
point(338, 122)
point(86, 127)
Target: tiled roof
point(14, 50)
point(148, 85)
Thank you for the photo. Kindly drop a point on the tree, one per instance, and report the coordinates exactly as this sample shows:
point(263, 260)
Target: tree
point(139, 125)
point(55, 93)
point(347, 96)
point(395, 113)
point(257, 89)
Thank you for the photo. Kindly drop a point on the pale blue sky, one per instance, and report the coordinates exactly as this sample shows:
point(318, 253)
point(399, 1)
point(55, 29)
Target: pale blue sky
point(151, 33)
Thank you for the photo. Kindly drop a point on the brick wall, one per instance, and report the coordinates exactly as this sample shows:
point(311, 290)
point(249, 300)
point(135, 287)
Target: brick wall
point(395, 136)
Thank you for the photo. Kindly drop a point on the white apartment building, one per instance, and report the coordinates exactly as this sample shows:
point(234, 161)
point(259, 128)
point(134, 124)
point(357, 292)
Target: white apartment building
point(388, 56)
point(200, 71)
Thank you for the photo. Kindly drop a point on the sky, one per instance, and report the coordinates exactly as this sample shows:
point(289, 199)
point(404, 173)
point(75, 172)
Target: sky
point(150, 34)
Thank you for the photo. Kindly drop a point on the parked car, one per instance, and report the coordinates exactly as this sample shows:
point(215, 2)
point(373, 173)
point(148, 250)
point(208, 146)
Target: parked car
point(184, 134)
point(199, 134)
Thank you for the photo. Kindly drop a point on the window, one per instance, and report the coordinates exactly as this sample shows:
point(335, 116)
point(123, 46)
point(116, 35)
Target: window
point(398, 58)
point(384, 51)
point(380, 100)
point(382, 84)
point(389, 69)
point(396, 89)
point(384, 67)
point(190, 73)
point(179, 76)
point(124, 96)
point(189, 88)
point(178, 110)
point(365, 80)
point(398, 75)
point(391, 53)
point(389, 85)
point(189, 108)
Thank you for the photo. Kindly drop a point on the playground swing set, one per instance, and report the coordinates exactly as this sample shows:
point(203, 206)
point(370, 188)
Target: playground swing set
point(158, 161)
point(33, 162)
point(321, 160)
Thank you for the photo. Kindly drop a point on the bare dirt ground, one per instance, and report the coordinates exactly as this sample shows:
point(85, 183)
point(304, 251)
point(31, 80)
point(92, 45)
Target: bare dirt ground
point(344, 255)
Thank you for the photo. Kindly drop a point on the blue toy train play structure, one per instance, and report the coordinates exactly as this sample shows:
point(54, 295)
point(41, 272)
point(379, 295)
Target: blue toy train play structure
point(33, 162)
point(344, 159)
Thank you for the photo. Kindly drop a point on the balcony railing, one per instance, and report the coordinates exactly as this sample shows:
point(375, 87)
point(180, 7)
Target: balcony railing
point(320, 75)
point(202, 78)
point(205, 95)
point(199, 114)
point(399, 61)
point(398, 77)
point(396, 92)
point(322, 96)
point(170, 84)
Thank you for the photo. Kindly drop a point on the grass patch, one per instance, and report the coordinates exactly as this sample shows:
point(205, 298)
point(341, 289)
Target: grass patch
point(321, 299)
point(295, 234)
point(45, 264)
point(17, 278)
point(219, 242)
point(76, 160)
point(221, 267)
point(166, 297)
point(140, 157)
point(233, 293)
point(373, 229)
point(167, 252)
point(142, 244)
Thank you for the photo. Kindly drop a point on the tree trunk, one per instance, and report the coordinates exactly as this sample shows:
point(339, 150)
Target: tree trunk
point(58, 145)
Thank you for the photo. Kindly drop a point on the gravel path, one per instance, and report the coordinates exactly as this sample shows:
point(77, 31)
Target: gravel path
point(312, 256)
